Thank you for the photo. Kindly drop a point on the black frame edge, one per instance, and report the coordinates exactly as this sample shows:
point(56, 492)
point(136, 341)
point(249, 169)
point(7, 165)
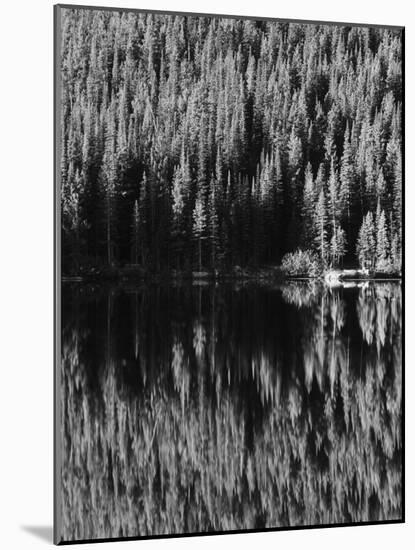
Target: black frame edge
point(403, 273)
point(56, 276)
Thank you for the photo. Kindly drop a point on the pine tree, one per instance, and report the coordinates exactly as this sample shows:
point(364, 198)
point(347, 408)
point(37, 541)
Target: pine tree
point(397, 198)
point(308, 211)
point(333, 211)
point(295, 156)
point(213, 223)
point(199, 227)
point(382, 243)
point(381, 188)
point(337, 245)
point(320, 222)
point(143, 213)
point(258, 229)
point(267, 203)
point(178, 204)
point(396, 254)
point(278, 193)
point(108, 179)
point(71, 214)
point(366, 243)
point(347, 184)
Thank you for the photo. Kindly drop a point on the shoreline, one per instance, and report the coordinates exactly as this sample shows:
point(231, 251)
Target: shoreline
point(273, 275)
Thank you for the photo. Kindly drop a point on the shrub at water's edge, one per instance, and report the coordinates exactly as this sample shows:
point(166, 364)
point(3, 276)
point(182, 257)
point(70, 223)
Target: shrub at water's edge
point(301, 263)
point(306, 263)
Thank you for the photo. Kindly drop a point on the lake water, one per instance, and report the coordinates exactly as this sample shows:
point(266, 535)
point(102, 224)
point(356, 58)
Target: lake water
point(213, 408)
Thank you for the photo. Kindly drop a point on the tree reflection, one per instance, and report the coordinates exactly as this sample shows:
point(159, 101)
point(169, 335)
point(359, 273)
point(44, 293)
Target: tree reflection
point(198, 409)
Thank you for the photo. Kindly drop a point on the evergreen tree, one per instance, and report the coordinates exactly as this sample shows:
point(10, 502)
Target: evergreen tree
point(178, 204)
point(309, 201)
point(199, 227)
point(143, 213)
point(347, 184)
point(320, 222)
point(366, 243)
point(337, 245)
point(333, 211)
point(382, 243)
point(213, 223)
point(397, 199)
point(108, 179)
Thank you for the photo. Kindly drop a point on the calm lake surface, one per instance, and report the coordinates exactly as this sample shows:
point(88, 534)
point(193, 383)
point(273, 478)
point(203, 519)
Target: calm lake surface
point(210, 408)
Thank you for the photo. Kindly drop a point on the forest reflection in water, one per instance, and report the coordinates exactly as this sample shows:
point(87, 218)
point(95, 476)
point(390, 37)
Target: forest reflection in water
point(213, 408)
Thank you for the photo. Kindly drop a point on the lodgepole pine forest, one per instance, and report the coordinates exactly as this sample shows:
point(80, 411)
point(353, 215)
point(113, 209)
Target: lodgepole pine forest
point(200, 143)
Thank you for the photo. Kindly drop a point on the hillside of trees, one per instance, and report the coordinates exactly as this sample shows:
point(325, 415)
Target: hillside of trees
point(197, 143)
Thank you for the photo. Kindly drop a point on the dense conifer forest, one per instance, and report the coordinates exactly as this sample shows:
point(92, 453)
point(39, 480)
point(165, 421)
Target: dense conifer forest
point(197, 143)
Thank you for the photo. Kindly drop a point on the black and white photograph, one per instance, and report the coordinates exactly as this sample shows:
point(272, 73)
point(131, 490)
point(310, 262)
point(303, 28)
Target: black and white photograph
point(230, 235)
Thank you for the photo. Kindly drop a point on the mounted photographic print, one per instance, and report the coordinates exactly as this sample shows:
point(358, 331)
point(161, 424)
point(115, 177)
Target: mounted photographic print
point(229, 294)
